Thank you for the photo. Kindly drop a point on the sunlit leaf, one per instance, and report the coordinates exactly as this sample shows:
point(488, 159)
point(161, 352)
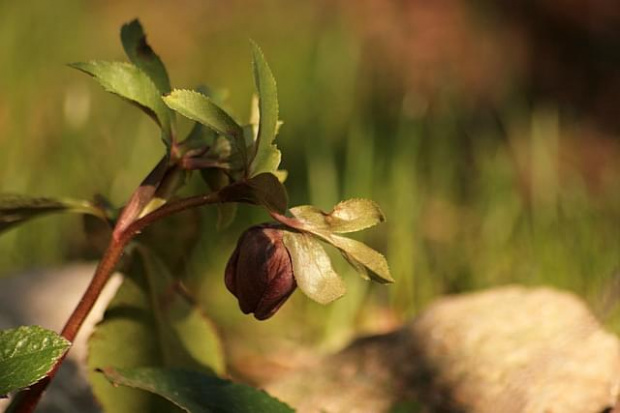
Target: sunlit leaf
point(197, 393)
point(313, 269)
point(364, 255)
point(267, 156)
point(131, 83)
point(198, 107)
point(281, 174)
point(26, 355)
point(264, 189)
point(201, 136)
point(313, 219)
point(141, 54)
point(348, 216)
point(354, 215)
point(269, 162)
point(18, 209)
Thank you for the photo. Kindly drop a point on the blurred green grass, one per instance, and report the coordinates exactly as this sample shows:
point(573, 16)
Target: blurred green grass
point(474, 197)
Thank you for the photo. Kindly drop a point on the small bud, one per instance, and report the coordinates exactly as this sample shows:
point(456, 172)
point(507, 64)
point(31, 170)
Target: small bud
point(260, 272)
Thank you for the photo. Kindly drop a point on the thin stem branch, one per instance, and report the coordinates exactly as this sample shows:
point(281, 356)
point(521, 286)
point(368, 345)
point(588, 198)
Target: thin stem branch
point(288, 221)
point(27, 400)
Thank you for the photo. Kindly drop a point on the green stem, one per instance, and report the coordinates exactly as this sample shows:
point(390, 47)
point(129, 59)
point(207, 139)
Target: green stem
point(26, 401)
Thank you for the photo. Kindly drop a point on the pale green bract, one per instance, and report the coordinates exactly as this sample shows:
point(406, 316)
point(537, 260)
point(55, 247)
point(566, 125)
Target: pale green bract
point(312, 268)
point(347, 216)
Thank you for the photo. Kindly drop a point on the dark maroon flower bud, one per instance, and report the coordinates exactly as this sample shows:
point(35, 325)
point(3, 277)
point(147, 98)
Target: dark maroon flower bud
point(260, 272)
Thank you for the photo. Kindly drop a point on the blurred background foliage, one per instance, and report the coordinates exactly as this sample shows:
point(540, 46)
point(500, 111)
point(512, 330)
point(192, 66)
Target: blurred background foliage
point(489, 132)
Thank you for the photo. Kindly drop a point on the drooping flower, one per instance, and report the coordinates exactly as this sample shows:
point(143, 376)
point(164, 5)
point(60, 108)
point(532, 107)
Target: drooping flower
point(260, 272)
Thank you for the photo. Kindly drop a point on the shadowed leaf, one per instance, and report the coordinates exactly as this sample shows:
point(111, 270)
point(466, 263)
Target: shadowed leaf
point(150, 322)
point(197, 393)
point(199, 138)
point(218, 179)
point(264, 189)
point(18, 209)
point(141, 54)
point(188, 337)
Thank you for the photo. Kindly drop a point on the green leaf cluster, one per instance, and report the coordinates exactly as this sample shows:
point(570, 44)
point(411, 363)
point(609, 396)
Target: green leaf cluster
point(224, 150)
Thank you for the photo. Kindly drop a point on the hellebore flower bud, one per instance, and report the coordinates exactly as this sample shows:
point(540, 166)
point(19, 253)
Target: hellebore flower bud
point(260, 272)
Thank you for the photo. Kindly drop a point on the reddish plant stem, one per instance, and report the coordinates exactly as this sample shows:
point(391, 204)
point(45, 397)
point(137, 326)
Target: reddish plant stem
point(289, 222)
point(26, 401)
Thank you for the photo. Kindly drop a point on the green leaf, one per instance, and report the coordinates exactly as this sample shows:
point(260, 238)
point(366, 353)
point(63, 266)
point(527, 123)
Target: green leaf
point(141, 54)
point(201, 137)
point(198, 107)
point(313, 268)
point(188, 337)
point(264, 189)
point(361, 255)
point(147, 326)
point(127, 337)
point(27, 354)
point(17, 209)
point(197, 393)
point(348, 216)
point(269, 161)
point(131, 83)
point(266, 157)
